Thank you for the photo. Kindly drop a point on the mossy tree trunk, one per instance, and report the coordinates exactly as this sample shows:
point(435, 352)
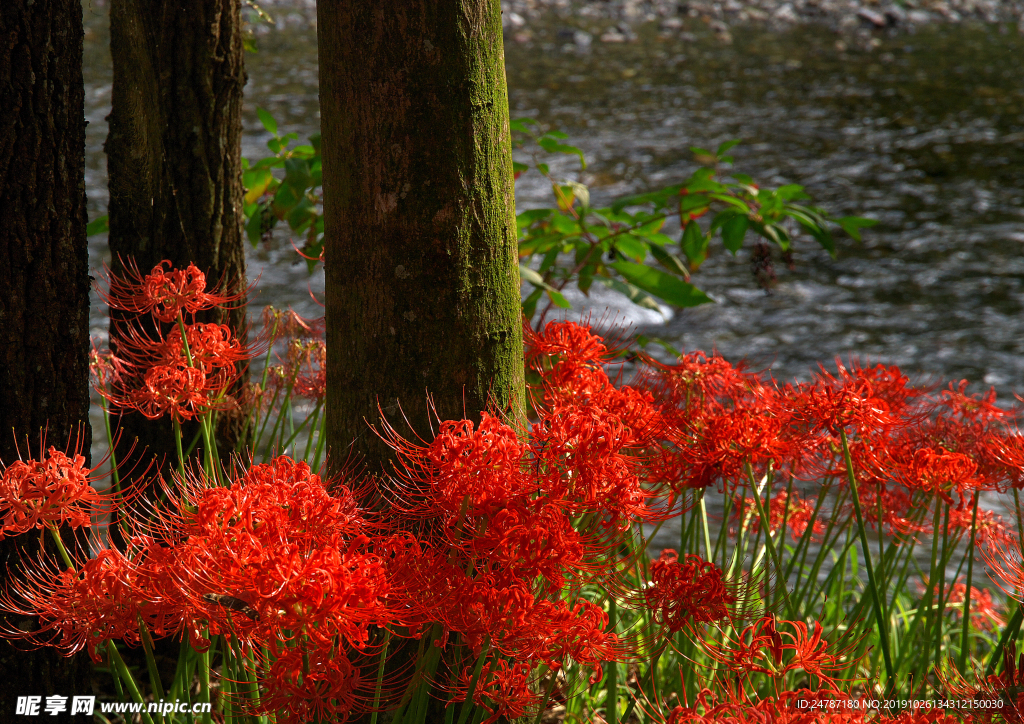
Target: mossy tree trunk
point(174, 155)
point(422, 280)
point(44, 286)
point(422, 285)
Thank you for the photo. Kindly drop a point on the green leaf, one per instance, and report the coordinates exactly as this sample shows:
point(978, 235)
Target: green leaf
point(658, 198)
point(662, 285)
point(284, 201)
point(256, 182)
point(561, 135)
point(276, 144)
point(522, 124)
point(671, 262)
point(633, 294)
point(537, 280)
point(853, 224)
point(297, 175)
point(529, 305)
point(790, 192)
point(99, 225)
point(300, 216)
point(268, 121)
point(733, 232)
point(698, 151)
point(631, 246)
point(518, 167)
point(728, 145)
point(556, 296)
point(254, 227)
point(694, 245)
point(552, 146)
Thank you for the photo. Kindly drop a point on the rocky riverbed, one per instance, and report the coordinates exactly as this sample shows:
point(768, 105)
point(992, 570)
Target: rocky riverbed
point(583, 22)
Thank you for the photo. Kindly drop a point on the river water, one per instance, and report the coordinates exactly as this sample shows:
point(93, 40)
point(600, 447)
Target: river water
point(925, 133)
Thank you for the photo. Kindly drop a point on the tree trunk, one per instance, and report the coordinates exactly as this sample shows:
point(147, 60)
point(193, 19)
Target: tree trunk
point(174, 156)
point(419, 207)
point(422, 285)
point(44, 284)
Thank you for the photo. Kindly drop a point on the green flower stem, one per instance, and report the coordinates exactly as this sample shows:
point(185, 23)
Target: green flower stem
point(1010, 632)
point(772, 550)
point(942, 586)
point(204, 683)
point(380, 676)
point(467, 705)
point(147, 647)
point(177, 447)
point(964, 640)
point(611, 700)
point(709, 551)
point(60, 546)
point(547, 697)
point(883, 629)
point(126, 676)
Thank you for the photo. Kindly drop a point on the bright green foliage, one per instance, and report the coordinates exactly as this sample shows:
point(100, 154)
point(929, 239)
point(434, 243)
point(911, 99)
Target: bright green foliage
point(296, 199)
point(623, 246)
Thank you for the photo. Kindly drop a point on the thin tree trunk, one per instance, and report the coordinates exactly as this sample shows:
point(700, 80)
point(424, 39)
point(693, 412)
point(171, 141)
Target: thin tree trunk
point(44, 285)
point(422, 286)
point(174, 156)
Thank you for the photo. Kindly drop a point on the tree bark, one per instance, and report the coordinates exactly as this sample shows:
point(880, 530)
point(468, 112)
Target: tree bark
point(174, 157)
point(419, 207)
point(44, 285)
point(422, 289)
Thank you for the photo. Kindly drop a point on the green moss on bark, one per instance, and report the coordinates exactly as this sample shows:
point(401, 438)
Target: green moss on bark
point(422, 279)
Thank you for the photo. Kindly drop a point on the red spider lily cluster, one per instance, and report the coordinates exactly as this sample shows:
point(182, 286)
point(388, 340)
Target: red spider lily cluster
point(483, 544)
point(182, 371)
point(56, 490)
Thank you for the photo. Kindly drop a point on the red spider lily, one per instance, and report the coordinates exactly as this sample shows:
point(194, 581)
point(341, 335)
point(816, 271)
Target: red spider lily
point(181, 392)
point(722, 447)
point(763, 648)
point(276, 540)
point(163, 293)
point(105, 368)
point(990, 530)
point(685, 593)
point(85, 606)
point(311, 381)
point(286, 324)
point(857, 400)
point(939, 472)
point(792, 509)
point(573, 344)
point(462, 471)
point(502, 690)
point(892, 507)
point(1005, 690)
point(527, 540)
point(56, 490)
point(983, 608)
point(582, 460)
point(312, 684)
point(697, 382)
point(976, 409)
point(173, 382)
point(553, 631)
